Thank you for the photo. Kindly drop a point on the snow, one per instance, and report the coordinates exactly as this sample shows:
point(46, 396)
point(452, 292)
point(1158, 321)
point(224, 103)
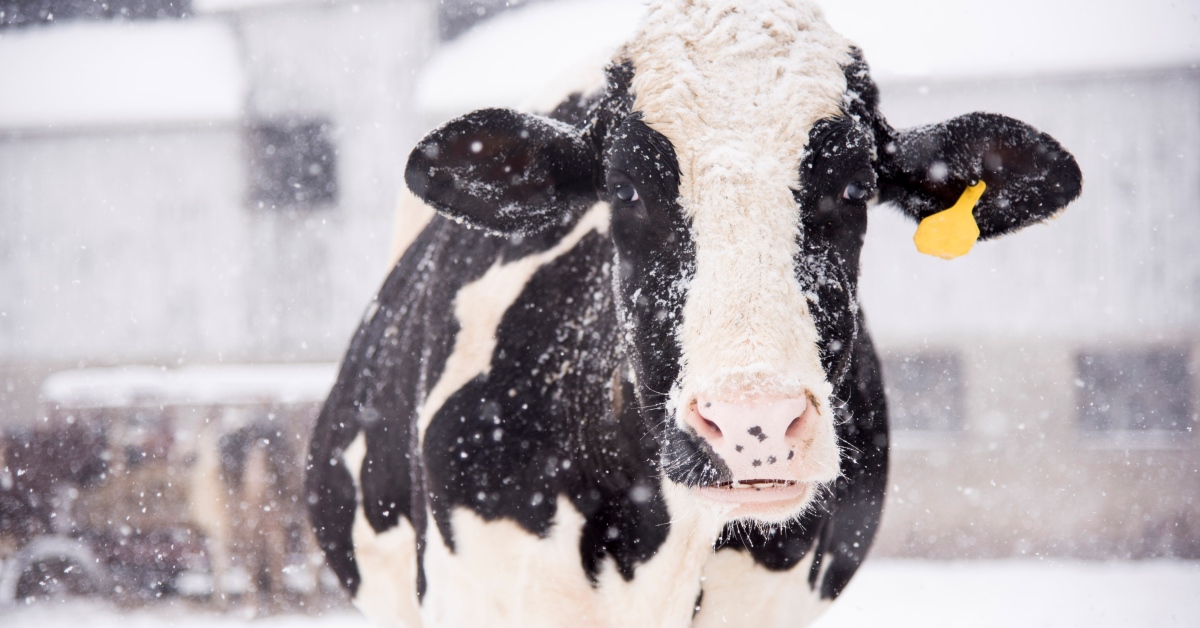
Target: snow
point(511, 58)
point(1025, 593)
point(200, 385)
point(505, 60)
point(169, 615)
point(120, 73)
point(897, 594)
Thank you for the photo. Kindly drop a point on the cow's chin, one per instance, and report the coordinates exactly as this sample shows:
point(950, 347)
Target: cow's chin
point(761, 501)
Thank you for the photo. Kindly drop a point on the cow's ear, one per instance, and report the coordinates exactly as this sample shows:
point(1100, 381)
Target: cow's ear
point(1028, 175)
point(504, 171)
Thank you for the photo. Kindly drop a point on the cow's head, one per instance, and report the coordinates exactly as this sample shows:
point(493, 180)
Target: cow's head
point(738, 149)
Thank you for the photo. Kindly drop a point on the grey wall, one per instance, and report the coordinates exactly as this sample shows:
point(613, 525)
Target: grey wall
point(122, 245)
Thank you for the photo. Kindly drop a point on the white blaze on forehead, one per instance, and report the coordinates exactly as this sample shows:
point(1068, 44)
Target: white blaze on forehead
point(736, 87)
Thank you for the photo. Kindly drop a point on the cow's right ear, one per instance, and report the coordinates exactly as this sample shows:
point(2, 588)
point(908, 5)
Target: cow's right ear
point(505, 172)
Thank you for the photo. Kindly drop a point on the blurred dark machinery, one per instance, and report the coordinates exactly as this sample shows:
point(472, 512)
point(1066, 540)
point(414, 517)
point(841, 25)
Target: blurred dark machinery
point(139, 483)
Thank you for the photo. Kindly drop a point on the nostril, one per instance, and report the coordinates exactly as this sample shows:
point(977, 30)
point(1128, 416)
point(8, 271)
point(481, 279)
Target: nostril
point(705, 427)
point(793, 430)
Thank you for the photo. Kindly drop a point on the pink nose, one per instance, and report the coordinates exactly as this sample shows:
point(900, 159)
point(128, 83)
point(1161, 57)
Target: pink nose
point(757, 440)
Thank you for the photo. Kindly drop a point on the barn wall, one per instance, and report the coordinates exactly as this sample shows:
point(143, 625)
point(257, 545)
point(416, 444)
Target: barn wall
point(117, 245)
point(142, 244)
point(139, 244)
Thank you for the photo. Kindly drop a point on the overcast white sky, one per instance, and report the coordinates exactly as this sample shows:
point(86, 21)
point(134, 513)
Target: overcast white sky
point(1016, 37)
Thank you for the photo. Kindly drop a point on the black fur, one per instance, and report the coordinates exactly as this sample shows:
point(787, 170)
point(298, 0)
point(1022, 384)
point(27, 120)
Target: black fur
point(503, 171)
point(1029, 176)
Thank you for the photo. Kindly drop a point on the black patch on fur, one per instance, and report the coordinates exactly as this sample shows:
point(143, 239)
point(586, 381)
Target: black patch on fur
point(863, 429)
point(656, 257)
point(399, 353)
point(542, 423)
point(627, 516)
point(396, 351)
point(838, 155)
point(861, 101)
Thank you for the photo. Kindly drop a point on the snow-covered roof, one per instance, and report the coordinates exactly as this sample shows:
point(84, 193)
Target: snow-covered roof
point(191, 385)
point(505, 60)
point(120, 73)
point(509, 59)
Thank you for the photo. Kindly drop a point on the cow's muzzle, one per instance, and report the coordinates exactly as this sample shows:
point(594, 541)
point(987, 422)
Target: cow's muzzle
point(776, 449)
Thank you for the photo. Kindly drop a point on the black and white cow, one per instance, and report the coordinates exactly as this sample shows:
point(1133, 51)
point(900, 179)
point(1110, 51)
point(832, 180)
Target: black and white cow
point(623, 378)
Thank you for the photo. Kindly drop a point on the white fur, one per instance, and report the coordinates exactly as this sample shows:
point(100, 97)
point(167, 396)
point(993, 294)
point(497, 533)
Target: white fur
point(736, 88)
point(480, 305)
point(387, 562)
point(501, 575)
point(664, 589)
point(412, 216)
point(739, 592)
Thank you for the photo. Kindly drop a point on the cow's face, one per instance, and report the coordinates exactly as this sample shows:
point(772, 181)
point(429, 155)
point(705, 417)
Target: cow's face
point(738, 154)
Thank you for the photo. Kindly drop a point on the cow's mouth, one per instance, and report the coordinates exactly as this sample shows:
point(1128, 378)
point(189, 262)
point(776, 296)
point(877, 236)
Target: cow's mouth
point(751, 495)
point(757, 485)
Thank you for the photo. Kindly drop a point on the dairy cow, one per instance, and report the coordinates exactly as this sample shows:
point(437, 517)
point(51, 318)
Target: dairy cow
point(623, 377)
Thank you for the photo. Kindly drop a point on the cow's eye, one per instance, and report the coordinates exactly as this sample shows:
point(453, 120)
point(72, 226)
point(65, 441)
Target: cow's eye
point(626, 193)
point(857, 192)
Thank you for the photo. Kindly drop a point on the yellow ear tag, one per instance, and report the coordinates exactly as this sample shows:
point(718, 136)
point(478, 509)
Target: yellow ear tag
point(951, 233)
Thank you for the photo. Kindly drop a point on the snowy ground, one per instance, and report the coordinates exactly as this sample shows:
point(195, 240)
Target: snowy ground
point(897, 594)
point(1025, 594)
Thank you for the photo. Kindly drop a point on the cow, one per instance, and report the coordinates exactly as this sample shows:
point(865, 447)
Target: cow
point(623, 377)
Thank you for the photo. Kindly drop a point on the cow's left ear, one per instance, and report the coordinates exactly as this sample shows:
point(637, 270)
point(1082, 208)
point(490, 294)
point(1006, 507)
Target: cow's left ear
point(504, 171)
point(1028, 175)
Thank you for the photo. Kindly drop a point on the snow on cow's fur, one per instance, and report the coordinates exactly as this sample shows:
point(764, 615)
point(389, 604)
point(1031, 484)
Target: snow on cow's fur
point(623, 377)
